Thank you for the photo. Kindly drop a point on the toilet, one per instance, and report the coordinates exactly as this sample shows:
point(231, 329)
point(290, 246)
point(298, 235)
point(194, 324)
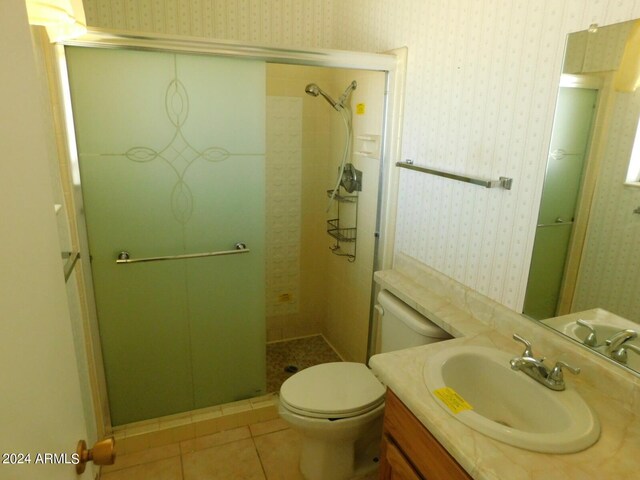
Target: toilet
point(337, 407)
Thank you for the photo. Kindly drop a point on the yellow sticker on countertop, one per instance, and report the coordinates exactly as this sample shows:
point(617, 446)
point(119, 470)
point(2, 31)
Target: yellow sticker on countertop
point(452, 400)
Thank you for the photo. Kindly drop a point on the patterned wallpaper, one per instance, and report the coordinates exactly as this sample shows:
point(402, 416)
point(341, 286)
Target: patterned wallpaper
point(480, 95)
point(276, 22)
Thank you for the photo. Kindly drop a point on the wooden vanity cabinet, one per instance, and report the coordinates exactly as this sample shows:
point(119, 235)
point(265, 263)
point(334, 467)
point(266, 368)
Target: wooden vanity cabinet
point(409, 451)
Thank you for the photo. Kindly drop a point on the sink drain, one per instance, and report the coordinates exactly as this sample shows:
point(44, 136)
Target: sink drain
point(291, 369)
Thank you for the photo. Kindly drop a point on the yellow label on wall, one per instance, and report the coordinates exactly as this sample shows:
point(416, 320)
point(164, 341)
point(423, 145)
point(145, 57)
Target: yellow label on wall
point(360, 108)
point(452, 400)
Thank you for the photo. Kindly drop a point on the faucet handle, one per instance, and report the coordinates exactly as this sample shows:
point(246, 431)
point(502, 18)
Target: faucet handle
point(556, 375)
point(528, 352)
point(591, 339)
point(571, 368)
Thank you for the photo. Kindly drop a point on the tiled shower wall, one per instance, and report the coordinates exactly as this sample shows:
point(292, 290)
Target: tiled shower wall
point(349, 283)
point(282, 205)
point(296, 179)
point(333, 294)
point(480, 94)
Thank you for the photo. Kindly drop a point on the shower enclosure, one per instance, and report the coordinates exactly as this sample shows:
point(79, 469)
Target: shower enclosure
point(201, 185)
point(171, 152)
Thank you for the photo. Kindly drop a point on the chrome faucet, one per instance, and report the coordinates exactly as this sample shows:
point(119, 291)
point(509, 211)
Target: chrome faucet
point(617, 339)
point(527, 363)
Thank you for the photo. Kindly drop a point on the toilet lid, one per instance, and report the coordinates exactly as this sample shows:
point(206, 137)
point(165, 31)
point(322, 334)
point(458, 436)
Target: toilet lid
point(339, 389)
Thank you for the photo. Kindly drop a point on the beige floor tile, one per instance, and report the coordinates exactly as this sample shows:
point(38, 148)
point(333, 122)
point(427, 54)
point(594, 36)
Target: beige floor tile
point(167, 469)
point(280, 454)
point(135, 443)
point(144, 456)
point(232, 461)
point(219, 438)
point(271, 426)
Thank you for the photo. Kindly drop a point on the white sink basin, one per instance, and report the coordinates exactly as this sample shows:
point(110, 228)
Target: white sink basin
point(508, 405)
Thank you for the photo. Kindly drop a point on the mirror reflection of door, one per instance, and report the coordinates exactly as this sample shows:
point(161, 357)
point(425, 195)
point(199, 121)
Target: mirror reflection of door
point(570, 138)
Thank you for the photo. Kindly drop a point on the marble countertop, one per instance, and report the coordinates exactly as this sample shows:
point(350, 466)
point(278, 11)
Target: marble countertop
point(611, 392)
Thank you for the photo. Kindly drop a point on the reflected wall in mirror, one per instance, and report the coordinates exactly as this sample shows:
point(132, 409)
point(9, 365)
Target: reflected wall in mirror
point(586, 257)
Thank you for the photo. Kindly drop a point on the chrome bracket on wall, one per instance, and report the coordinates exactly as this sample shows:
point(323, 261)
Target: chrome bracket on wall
point(502, 182)
point(70, 262)
point(351, 179)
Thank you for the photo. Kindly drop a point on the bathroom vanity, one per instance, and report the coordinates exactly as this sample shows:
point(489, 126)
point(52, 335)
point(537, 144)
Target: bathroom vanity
point(409, 451)
point(424, 440)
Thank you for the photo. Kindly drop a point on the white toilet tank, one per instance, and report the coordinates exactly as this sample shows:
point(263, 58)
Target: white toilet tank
point(403, 327)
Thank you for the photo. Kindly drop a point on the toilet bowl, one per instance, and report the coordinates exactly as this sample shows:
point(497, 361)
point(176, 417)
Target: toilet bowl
point(337, 407)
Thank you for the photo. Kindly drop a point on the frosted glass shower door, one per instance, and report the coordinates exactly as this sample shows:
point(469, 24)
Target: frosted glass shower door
point(567, 153)
point(171, 151)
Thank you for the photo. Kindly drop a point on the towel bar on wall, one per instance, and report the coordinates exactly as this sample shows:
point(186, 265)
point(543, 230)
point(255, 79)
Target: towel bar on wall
point(503, 182)
point(125, 257)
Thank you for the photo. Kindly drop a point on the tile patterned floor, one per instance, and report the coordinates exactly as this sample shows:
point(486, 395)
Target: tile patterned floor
point(302, 353)
point(263, 451)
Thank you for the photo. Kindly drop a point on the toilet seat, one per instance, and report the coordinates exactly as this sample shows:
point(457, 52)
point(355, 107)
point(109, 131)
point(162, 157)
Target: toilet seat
point(332, 390)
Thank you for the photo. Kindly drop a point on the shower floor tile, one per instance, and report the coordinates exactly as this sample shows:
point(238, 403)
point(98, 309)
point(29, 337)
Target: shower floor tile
point(300, 353)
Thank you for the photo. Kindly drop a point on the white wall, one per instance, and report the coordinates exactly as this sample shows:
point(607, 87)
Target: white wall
point(40, 393)
point(481, 87)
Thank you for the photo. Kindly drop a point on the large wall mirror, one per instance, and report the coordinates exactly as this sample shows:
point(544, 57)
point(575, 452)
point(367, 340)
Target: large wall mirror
point(585, 271)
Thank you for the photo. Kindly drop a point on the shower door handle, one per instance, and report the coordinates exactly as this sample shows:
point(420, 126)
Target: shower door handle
point(125, 257)
point(558, 223)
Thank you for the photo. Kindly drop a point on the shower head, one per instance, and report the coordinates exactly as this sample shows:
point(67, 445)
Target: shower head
point(314, 90)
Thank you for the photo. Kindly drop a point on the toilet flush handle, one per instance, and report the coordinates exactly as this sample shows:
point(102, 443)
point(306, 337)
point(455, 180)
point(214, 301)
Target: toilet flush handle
point(379, 309)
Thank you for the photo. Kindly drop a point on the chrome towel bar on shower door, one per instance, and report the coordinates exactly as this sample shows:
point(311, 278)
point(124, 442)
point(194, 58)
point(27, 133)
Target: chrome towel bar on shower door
point(504, 182)
point(125, 257)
